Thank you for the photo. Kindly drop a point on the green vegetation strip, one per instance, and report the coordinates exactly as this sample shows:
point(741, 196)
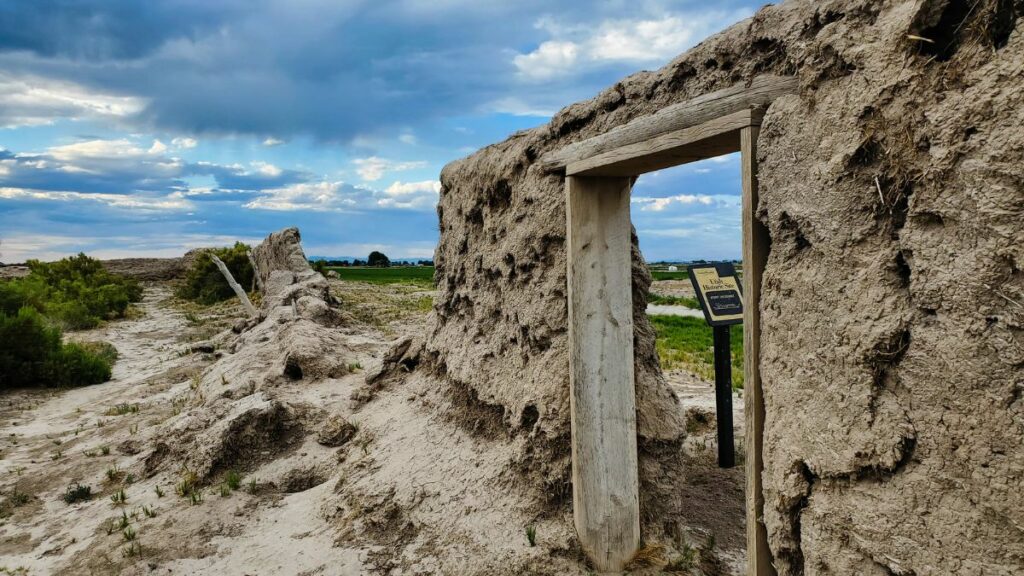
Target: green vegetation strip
point(673, 301)
point(73, 294)
point(687, 343)
point(417, 275)
point(666, 275)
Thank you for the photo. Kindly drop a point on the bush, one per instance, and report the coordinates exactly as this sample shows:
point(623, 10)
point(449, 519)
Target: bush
point(205, 284)
point(75, 292)
point(31, 354)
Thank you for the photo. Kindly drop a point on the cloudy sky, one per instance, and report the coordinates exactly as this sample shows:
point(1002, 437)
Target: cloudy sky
point(134, 128)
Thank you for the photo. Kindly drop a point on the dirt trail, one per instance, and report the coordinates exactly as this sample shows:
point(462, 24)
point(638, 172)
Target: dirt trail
point(51, 439)
point(382, 503)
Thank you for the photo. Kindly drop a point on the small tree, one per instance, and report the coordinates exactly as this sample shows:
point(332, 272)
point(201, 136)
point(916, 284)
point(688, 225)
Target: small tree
point(378, 259)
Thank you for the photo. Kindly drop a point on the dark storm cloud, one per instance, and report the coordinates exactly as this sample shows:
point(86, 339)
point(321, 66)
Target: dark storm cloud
point(330, 69)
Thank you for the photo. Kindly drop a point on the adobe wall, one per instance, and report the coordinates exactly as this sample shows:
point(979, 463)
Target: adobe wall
point(893, 299)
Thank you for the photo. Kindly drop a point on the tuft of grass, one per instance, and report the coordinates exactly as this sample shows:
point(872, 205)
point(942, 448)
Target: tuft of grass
point(195, 497)
point(687, 343)
point(105, 450)
point(129, 534)
point(352, 367)
point(122, 409)
point(17, 498)
point(123, 522)
point(233, 480)
point(531, 535)
point(77, 493)
point(685, 563)
point(253, 486)
point(149, 511)
point(188, 483)
point(114, 473)
point(133, 549)
point(225, 491)
point(159, 491)
point(119, 497)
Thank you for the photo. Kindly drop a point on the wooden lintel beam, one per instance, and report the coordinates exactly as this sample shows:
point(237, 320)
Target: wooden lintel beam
point(707, 140)
point(759, 92)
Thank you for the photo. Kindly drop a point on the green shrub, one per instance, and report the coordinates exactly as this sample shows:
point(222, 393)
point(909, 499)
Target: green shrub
point(75, 292)
point(31, 354)
point(205, 284)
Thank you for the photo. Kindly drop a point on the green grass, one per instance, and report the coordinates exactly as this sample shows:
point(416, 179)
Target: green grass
point(673, 301)
point(418, 275)
point(687, 343)
point(666, 275)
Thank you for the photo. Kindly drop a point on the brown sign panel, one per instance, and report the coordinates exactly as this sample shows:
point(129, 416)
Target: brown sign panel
point(719, 293)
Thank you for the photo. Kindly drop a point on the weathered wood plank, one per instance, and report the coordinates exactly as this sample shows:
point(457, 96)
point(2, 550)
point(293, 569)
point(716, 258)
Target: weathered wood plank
point(706, 140)
point(239, 291)
point(761, 91)
point(606, 503)
point(756, 243)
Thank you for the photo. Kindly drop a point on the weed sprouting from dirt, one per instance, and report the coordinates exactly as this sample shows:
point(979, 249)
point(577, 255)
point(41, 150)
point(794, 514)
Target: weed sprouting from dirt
point(77, 493)
point(531, 535)
point(119, 498)
point(233, 480)
point(114, 473)
point(133, 549)
point(159, 491)
point(122, 409)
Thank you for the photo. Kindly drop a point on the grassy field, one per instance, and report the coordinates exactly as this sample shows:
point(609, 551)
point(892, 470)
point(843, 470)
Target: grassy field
point(416, 275)
point(666, 275)
point(653, 298)
point(685, 342)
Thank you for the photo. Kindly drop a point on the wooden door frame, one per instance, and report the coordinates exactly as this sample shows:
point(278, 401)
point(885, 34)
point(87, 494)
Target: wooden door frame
point(599, 175)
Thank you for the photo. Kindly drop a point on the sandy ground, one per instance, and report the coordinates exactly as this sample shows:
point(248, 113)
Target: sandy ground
point(302, 507)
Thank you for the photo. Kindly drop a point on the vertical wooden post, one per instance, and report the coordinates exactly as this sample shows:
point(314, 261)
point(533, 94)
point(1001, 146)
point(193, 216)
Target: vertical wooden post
point(756, 241)
point(605, 487)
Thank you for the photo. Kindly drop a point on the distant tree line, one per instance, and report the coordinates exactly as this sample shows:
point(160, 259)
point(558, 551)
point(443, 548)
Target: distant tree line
point(375, 259)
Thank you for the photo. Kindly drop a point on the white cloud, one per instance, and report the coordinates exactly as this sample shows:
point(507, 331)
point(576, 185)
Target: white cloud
point(574, 49)
point(270, 141)
point(303, 196)
point(550, 59)
point(158, 147)
point(410, 188)
point(127, 201)
point(21, 247)
point(184, 143)
point(29, 100)
point(517, 107)
point(648, 204)
point(407, 138)
point(267, 169)
point(342, 197)
point(374, 168)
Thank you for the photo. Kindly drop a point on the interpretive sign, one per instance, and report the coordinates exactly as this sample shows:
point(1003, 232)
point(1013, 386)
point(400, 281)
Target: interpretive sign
point(718, 291)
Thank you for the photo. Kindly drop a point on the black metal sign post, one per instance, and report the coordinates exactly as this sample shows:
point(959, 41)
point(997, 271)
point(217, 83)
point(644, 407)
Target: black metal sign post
point(721, 299)
point(723, 397)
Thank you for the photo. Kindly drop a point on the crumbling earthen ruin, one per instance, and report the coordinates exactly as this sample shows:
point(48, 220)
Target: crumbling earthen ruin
point(893, 299)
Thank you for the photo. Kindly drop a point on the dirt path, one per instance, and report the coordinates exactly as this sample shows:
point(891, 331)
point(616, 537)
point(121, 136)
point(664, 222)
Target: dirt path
point(298, 519)
point(53, 438)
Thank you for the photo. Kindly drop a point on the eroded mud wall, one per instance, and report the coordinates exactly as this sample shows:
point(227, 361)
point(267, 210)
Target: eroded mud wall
point(893, 300)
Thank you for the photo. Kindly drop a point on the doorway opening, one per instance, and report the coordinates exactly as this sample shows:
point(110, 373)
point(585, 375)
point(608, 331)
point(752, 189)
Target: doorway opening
point(598, 196)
